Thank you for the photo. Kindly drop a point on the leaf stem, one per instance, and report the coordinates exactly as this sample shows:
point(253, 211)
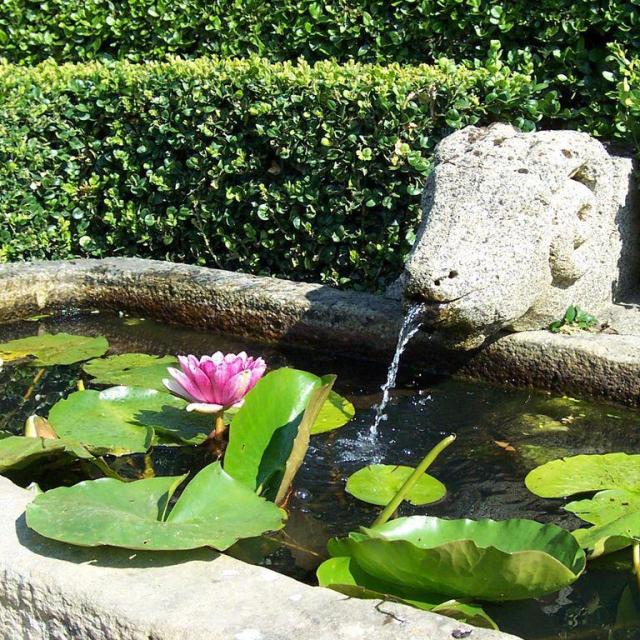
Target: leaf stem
point(636, 562)
point(34, 384)
point(428, 460)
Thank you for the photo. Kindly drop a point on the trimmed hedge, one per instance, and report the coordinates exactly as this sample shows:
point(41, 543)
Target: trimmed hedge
point(307, 172)
point(567, 33)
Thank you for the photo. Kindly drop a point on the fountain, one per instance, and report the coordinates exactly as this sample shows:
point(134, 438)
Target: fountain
point(410, 326)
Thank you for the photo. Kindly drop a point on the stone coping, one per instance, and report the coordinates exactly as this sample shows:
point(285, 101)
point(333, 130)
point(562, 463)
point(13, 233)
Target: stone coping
point(605, 366)
point(51, 590)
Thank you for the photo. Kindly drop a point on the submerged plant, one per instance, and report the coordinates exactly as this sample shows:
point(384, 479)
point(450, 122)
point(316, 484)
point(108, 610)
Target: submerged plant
point(216, 383)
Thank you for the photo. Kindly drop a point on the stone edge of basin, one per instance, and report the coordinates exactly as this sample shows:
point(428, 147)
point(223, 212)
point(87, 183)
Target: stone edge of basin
point(605, 366)
point(53, 590)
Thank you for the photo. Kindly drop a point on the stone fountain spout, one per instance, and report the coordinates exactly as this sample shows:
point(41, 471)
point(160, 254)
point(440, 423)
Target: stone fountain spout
point(519, 226)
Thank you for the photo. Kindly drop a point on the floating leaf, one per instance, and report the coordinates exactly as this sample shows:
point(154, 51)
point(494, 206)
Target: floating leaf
point(123, 420)
point(578, 474)
point(345, 576)
point(605, 506)
point(52, 349)
point(131, 370)
point(214, 510)
point(20, 452)
point(478, 559)
point(611, 536)
point(379, 483)
point(263, 431)
point(335, 413)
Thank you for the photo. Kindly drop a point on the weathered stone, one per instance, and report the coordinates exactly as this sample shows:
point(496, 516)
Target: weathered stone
point(603, 365)
point(517, 227)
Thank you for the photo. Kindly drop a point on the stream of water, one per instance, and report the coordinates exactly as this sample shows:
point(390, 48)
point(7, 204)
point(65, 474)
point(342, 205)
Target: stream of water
point(410, 326)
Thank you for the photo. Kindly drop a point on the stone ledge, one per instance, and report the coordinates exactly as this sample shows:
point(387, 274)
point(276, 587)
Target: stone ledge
point(606, 366)
point(51, 591)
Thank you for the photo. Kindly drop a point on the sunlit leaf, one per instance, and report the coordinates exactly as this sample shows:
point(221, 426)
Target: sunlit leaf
point(379, 483)
point(52, 349)
point(477, 559)
point(131, 370)
point(262, 433)
point(123, 420)
point(335, 413)
point(214, 510)
point(578, 474)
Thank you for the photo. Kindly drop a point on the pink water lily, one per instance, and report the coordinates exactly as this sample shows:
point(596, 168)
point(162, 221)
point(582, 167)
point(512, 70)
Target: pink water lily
point(213, 384)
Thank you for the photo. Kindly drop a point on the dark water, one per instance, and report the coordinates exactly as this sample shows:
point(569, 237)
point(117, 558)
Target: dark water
point(502, 434)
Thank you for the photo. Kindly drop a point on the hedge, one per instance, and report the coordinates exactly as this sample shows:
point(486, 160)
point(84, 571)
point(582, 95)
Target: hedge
point(306, 172)
point(566, 41)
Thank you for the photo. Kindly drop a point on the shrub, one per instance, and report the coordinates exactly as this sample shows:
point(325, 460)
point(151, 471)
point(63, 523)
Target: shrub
point(307, 172)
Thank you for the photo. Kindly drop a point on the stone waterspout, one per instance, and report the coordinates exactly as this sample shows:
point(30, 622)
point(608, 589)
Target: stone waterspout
point(517, 227)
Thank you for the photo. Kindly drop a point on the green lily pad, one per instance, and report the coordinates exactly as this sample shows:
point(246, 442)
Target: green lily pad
point(20, 452)
point(263, 432)
point(379, 483)
point(479, 559)
point(582, 473)
point(335, 413)
point(610, 537)
point(123, 420)
point(214, 511)
point(131, 370)
point(605, 506)
point(343, 574)
point(52, 349)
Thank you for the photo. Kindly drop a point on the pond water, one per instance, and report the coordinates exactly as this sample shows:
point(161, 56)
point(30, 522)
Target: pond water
point(502, 434)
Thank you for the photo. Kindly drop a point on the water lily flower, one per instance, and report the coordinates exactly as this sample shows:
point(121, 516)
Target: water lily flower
point(213, 384)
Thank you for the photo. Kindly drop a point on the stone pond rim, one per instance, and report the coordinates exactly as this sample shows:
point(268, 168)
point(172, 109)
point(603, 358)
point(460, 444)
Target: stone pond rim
point(600, 365)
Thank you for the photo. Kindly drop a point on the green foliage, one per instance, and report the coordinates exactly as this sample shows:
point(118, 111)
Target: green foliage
point(20, 452)
point(335, 413)
point(47, 350)
point(484, 559)
point(214, 510)
point(307, 172)
point(344, 575)
point(270, 433)
point(579, 474)
point(614, 510)
point(574, 318)
point(123, 420)
point(131, 370)
point(379, 483)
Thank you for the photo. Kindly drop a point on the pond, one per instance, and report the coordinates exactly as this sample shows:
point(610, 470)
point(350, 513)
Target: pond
point(501, 435)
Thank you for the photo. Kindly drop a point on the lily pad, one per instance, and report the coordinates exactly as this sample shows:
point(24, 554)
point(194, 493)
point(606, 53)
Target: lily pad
point(379, 483)
point(611, 536)
point(605, 506)
point(52, 349)
point(214, 510)
point(123, 420)
point(263, 431)
point(578, 474)
point(335, 413)
point(479, 559)
point(131, 370)
point(20, 452)
point(345, 576)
